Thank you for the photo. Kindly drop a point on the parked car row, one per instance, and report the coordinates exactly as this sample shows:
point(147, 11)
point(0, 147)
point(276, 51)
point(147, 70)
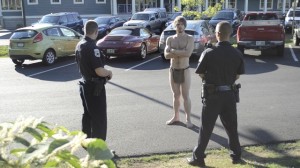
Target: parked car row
point(54, 35)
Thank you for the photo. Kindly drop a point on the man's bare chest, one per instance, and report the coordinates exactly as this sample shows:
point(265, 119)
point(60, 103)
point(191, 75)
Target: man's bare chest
point(179, 43)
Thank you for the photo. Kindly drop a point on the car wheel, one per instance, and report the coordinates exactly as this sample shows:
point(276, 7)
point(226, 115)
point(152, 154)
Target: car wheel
point(295, 39)
point(18, 61)
point(49, 57)
point(241, 48)
point(280, 50)
point(143, 51)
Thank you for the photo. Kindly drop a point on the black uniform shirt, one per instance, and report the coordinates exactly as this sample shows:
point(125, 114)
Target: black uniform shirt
point(221, 64)
point(88, 58)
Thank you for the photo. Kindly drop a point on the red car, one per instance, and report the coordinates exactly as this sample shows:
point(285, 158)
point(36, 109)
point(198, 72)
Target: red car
point(129, 41)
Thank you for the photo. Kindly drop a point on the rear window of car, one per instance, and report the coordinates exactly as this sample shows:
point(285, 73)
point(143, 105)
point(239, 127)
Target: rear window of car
point(23, 34)
point(291, 14)
point(122, 32)
point(223, 16)
point(261, 16)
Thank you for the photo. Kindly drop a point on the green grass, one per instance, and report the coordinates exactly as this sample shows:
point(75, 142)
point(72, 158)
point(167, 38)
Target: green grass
point(3, 51)
point(279, 155)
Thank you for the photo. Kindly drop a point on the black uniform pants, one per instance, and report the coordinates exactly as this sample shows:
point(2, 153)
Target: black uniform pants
point(221, 104)
point(94, 120)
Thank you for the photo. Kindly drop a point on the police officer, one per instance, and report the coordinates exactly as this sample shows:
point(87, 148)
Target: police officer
point(219, 66)
point(92, 85)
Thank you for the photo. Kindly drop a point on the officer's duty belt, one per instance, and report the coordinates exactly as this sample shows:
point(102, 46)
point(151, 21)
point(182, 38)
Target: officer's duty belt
point(223, 88)
point(219, 88)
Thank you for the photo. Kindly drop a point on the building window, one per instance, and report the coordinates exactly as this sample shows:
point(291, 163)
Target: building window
point(100, 1)
point(231, 4)
point(55, 1)
point(78, 1)
point(287, 4)
point(32, 2)
point(11, 4)
point(262, 4)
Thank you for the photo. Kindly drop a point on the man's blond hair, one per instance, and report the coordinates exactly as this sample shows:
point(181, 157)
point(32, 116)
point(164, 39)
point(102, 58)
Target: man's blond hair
point(90, 27)
point(224, 29)
point(179, 19)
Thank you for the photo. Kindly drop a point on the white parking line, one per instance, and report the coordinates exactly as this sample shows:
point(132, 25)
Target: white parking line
point(142, 63)
point(50, 69)
point(293, 53)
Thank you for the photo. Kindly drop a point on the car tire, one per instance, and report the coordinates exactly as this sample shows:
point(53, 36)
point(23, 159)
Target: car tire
point(241, 48)
point(143, 51)
point(18, 61)
point(49, 57)
point(280, 50)
point(296, 39)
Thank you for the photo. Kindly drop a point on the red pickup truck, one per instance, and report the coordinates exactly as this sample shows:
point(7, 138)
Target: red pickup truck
point(261, 31)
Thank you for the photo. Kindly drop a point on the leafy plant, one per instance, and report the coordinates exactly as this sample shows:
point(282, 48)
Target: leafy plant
point(30, 142)
point(191, 5)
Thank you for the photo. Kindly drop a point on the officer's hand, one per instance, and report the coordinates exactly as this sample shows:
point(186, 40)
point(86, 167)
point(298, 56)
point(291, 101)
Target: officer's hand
point(110, 75)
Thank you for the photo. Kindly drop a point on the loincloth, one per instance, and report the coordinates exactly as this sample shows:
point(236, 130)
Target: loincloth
point(178, 75)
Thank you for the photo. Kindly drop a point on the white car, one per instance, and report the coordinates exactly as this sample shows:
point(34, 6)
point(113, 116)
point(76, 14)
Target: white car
point(288, 22)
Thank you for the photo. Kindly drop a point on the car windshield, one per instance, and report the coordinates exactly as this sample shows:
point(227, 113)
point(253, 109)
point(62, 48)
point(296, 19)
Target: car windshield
point(223, 16)
point(102, 20)
point(291, 14)
point(23, 34)
point(140, 17)
point(49, 19)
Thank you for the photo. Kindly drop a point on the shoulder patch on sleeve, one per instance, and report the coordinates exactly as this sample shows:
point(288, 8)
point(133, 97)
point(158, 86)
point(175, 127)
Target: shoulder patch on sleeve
point(97, 53)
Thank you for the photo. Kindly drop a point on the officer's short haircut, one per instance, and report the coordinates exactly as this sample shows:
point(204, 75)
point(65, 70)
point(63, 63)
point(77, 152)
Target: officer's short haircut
point(224, 28)
point(90, 27)
point(179, 19)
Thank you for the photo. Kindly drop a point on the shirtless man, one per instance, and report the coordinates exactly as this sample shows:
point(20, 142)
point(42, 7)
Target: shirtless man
point(179, 48)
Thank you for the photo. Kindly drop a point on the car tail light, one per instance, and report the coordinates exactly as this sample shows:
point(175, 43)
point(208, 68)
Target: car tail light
point(38, 38)
point(201, 39)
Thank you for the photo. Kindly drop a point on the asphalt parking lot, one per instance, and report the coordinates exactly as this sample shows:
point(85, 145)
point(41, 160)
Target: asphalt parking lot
point(140, 101)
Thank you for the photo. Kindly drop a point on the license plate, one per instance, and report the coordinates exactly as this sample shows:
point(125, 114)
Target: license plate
point(20, 44)
point(110, 51)
point(260, 43)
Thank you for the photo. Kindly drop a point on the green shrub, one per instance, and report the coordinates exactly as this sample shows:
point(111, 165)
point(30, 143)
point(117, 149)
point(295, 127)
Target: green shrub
point(30, 142)
point(3, 51)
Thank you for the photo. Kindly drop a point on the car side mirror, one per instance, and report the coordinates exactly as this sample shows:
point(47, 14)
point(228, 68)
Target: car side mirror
point(152, 18)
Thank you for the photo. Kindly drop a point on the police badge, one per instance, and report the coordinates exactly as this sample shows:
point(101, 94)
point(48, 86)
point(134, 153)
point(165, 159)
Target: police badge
point(97, 53)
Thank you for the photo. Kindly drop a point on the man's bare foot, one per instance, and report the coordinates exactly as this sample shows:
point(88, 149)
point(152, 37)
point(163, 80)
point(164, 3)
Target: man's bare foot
point(189, 124)
point(172, 121)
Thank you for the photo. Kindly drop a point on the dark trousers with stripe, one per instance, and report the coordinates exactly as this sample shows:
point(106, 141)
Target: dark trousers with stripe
point(94, 119)
point(221, 104)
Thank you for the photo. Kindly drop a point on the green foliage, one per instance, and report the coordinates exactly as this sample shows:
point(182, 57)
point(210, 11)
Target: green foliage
point(191, 6)
point(30, 142)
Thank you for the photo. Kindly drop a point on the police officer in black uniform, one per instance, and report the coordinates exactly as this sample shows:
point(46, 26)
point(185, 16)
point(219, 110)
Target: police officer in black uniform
point(92, 86)
point(219, 67)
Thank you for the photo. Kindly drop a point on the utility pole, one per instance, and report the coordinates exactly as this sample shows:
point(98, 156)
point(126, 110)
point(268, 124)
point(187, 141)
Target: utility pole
point(23, 13)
